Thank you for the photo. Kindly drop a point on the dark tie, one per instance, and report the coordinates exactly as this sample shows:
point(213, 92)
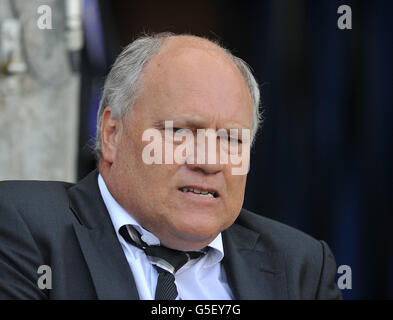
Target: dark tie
point(167, 261)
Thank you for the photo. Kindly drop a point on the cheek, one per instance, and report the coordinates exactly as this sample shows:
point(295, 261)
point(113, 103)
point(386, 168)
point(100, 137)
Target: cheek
point(236, 189)
point(130, 153)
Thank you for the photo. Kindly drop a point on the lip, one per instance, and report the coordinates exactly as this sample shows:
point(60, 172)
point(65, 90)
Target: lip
point(202, 188)
point(197, 199)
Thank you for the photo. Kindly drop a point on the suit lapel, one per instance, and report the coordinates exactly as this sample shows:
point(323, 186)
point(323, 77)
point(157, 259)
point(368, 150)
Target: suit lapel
point(252, 274)
point(101, 249)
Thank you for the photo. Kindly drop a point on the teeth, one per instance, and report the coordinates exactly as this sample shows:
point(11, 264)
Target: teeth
point(208, 195)
point(199, 192)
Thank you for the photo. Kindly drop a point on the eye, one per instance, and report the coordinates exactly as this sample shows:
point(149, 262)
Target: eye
point(174, 130)
point(234, 140)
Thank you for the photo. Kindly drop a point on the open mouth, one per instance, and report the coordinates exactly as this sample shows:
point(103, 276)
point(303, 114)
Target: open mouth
point(203, 193)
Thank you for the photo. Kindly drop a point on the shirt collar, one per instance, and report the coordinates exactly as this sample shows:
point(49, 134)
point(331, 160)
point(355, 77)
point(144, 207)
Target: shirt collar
point(121, 217)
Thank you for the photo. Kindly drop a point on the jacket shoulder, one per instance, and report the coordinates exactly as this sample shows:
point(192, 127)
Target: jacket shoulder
point(277, 236)
point(310, 266)
point(28, 191)
point(36, 201)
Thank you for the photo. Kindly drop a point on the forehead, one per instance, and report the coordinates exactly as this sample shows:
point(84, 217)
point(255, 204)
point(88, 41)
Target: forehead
point(194, 80)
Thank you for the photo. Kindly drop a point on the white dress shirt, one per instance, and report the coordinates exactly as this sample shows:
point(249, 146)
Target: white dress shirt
point(198, 279)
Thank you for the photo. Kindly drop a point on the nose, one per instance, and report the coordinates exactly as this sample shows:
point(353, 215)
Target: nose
point(205, 156)
point(208, 168)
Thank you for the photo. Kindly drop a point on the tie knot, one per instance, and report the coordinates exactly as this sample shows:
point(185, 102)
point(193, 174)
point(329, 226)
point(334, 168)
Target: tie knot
point(162, 257)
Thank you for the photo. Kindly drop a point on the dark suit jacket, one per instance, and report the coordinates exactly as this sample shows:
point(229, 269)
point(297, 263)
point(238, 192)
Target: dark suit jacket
point(68, 228)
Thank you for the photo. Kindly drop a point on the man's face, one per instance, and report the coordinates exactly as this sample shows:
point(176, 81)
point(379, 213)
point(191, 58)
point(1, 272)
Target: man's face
point(196, 89)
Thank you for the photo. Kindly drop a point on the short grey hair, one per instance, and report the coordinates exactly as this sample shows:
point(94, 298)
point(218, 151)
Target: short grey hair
point(122, 85)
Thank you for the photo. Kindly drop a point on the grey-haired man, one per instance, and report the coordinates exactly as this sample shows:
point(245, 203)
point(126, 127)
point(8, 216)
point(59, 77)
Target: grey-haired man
point(99, 236)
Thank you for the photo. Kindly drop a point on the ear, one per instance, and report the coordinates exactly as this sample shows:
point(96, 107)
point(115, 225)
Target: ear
point(110, 135)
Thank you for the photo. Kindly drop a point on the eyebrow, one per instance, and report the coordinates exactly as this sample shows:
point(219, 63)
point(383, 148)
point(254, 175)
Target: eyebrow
point(192, 123)
point(196, 123)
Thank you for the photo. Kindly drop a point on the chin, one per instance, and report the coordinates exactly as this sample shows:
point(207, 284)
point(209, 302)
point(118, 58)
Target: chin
point(198, 233)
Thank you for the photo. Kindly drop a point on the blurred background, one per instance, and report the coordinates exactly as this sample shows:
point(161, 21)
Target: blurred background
point(322, 162)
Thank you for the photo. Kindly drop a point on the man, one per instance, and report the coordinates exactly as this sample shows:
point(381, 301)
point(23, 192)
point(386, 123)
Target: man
point(107, 237)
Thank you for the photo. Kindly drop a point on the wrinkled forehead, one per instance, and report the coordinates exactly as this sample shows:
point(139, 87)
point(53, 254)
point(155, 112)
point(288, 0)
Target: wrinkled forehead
point(196, 75)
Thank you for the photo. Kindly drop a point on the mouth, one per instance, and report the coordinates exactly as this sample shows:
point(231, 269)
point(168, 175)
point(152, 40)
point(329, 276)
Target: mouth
point(202, 192)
